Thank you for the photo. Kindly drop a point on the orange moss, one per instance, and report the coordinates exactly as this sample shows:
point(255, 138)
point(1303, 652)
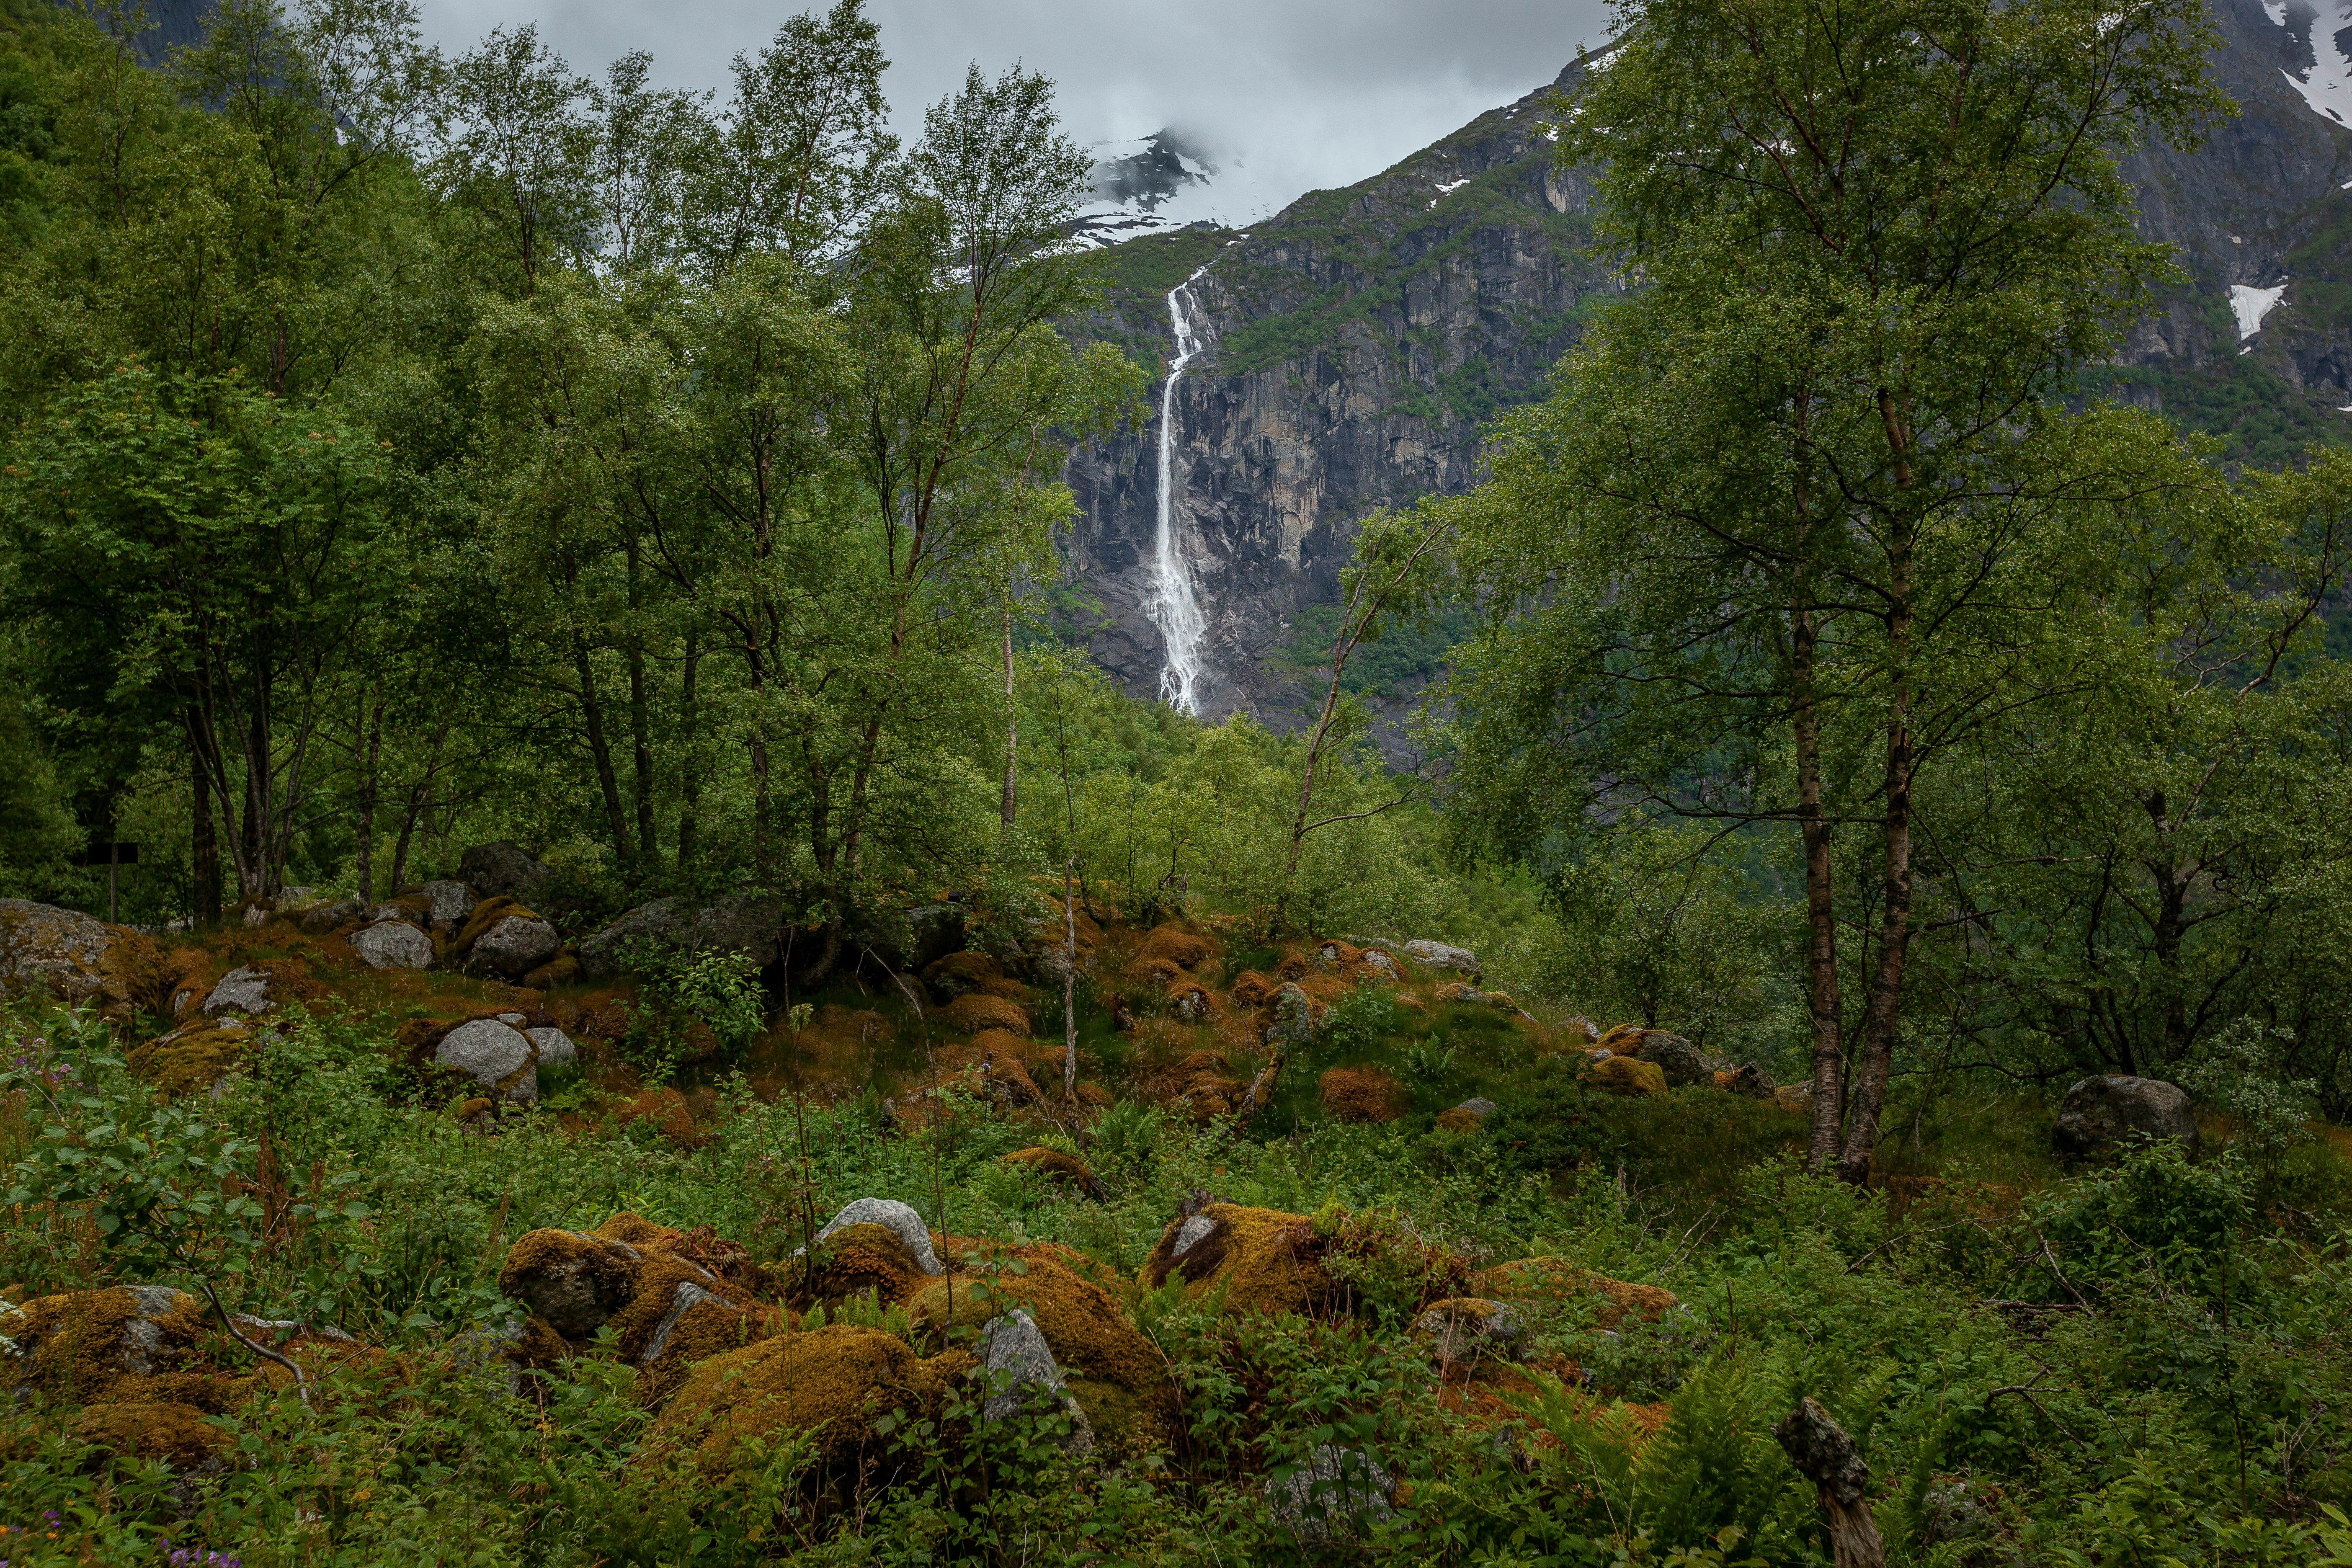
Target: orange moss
point(1058, 1166)
point(639, 1232)
point(1177, 946)
point(1362, 1094)
point(975, 1011)
point(487, 913)
point(668, 1110)
point(561, 970)
point(1624, 1039)
point(1460, 1121)
point(856, 1260)
point(1250, 989)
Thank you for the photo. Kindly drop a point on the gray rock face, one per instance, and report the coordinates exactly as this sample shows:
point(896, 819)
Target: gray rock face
point(502, 870)
point(555, 1046)
point(492, 1053)
point(1337, 1493)
point(745, 925)
point(1444, 955)
point(1459, 1335)
point(1293, 1027)
point(1683, 1063)
point(452, 901)
point(1477, 1105)
point(392, 944)
point(514, 946)
point(1380, 963)
point(1196, 1229)
point(43, 947)
point(1020, 1366)
point(245, 991)
point(893, 1215)
point(575, 1297)
point(2099, 1113)
point(321, 918)
point(682, 1301)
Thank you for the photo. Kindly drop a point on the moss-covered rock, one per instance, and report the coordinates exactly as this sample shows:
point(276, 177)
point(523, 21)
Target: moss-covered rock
point(1365, 1094)
point(81, 960)
point(1119, 1377)
point(81, 1346)
point(1263, 1261)
point(573, 1280)
point(1056, 1165)
point(178, 1433)
point(193, 1057)
point(831, 1383)
point(1561, 1281)
point(975, 1011)
point(1626, 1075)
point(1177, 946)
point(863, 1260)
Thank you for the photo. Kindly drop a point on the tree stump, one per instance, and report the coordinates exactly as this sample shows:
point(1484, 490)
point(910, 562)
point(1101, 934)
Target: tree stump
point(1825, 1455)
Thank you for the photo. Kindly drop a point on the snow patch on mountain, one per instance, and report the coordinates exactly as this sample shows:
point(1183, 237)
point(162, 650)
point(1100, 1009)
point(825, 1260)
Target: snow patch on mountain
point(2251, 305)
point(2325, 81)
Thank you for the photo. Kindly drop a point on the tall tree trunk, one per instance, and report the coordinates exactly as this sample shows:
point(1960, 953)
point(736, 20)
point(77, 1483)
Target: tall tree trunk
point(1820, 909)
point(690, 775)
point(641, 744)
point(1006, 807)
point(1069, 983)
point(253, 831)
point(204, 845)
point(420, 800)
point(600, 750)
point(365, 829)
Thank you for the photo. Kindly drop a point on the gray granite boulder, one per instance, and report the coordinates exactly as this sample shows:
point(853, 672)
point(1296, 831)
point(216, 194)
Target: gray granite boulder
point(498, 1057)
point(747, 925)
point(1444, 955)
point(1334, 1495)
point(392, 944)
point(452, 903)
point(555, 1047)
point(2099, 1113)
point(1019, 1367)
point(1293, 1025)
point(1683, 1063)
point(502, 870)
point(245, 991)
point(514, 946)
point(1753, 1082)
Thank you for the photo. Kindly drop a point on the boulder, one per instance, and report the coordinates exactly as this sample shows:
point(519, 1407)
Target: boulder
point(242, 991)
point(1444, 955)
point(1468, 1116)
point(1265, 1260)
point(514, 946)
point(831, 1383)
point(1054, 1165)
point(320, 919)
point(747, 925)
point(555, 1046)
point(1291, 1025)
point(2100, 1113)
point(1361, 1094)
point(573, 1280)
point(1465, 1329)
point(900, 1219)
point(89, 1347)
point(1627, 1075)
point(1019, 1367)
point(1336, 1494)
point(1683, 1063)
point(392, 944)
point(449, 903)
point(1751, 1082)
point(193, 1057)
point(79, 959)
point(498, 1057)
point(502, 870)
point(1382, 964)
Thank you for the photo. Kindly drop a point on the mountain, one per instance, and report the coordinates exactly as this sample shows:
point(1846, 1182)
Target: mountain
point(1353, 348)
point(1154, 184)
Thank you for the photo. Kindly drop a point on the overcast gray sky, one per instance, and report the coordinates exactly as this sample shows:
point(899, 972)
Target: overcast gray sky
point(1301, 94)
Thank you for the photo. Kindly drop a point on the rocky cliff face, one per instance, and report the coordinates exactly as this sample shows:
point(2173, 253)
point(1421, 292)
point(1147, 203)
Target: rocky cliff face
point(1363, 339)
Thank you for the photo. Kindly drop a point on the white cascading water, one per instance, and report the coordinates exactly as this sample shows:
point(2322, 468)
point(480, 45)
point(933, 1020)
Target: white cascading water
point(1172, 605)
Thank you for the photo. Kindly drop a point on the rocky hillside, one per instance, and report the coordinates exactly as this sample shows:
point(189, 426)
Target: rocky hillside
point(1363, 339)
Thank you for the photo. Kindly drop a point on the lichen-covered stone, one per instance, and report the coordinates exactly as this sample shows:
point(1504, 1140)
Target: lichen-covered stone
point(449, 903)
point(81, 1346)
point(1020, 1368)
point(1444, 955)
point(1683, 1063)
point(2101, 1112)
point(392, 944)
point(502, 870)
point(556, 1048)
point(1337, 1493)
point(498, 1057)
point(513, 946)
point(1559, 1280)
point(1467, 1329)
point(1290, 1021)
point(750, 926)
point(80, 959)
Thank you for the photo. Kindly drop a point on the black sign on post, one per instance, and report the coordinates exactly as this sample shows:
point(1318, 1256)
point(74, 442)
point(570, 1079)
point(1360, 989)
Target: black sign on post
point(113, 857)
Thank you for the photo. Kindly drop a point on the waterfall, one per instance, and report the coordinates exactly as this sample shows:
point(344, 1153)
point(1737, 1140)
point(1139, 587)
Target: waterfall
point(1172, 605)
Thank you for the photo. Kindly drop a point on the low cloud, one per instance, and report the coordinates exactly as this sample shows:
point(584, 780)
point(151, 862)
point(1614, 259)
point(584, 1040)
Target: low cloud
point(1287, 95)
